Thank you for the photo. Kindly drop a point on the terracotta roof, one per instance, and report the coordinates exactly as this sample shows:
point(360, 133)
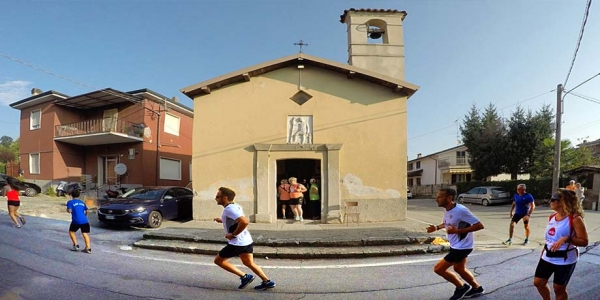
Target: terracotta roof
point(205, 87)
point(387, 11)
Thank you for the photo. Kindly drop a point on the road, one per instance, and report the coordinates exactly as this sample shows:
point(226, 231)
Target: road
point(36, 264)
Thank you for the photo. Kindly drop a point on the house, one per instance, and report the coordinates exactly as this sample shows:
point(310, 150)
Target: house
point(594, 146)
point(309, 117)
point(105, 138)
point(426, 174)
point(448, 166)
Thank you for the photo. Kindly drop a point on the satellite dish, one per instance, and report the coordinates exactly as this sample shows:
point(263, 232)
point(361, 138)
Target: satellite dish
point(120, 168)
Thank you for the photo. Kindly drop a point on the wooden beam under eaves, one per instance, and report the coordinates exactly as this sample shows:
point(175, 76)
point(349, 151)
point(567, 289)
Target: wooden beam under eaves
point(398, 89)
point(246, 76)
point(351, 74)
point(205, 89)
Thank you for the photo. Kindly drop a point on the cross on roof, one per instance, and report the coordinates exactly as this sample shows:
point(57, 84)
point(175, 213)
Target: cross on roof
point(301, 43)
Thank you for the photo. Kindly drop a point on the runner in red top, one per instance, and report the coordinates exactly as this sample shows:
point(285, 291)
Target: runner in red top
point(12, 195)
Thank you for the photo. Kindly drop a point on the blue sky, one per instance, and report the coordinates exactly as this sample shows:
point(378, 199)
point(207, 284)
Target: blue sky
point(460, 52)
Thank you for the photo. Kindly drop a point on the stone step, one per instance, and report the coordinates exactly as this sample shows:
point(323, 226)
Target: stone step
point(295, 252)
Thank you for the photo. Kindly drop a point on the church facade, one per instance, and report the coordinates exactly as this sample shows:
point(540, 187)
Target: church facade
point(303, 116)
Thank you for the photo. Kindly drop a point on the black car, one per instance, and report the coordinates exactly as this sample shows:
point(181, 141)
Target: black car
point(26, 188)
point(147, 206)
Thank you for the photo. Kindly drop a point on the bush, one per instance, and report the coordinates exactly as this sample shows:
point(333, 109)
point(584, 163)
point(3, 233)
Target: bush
point(50, 192)
point(539, 188)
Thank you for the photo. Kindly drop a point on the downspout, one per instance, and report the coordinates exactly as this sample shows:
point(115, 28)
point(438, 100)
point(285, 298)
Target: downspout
point(436, 170)
point(157, 147)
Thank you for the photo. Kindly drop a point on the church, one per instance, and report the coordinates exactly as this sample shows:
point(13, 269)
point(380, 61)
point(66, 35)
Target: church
point(303, 116)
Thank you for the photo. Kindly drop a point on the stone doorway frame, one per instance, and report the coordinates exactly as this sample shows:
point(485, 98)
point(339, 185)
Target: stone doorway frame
point(265, 176)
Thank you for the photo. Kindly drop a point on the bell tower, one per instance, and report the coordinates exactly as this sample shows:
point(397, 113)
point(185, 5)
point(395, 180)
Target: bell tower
point(375, 40)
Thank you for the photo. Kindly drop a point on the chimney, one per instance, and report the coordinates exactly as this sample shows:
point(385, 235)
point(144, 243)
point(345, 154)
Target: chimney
point(418, 155)
point(375, 40)
point(35, 91)
point(175, 99)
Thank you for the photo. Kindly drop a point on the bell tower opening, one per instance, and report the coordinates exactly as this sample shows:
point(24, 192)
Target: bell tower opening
point(304, 170)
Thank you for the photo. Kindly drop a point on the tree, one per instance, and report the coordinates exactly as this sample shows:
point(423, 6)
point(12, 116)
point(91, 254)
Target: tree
point(484, 136)
point(570, 159)
point(526, 134)
point(5, 141)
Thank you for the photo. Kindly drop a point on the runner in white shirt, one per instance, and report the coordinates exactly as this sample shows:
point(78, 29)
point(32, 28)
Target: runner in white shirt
point(239, 241)
point(565, 231)
point(460, 224)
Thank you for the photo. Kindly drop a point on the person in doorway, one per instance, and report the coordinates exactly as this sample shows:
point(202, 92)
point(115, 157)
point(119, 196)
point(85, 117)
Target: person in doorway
point(284, 195)
point(79, 220)
point(572, 186)
point(460, 224)
point(522, 206)
point(239, 242)
point(565, 231)
point(580, 193)
point(314, 200)
point(296, 198)
point(12, 196)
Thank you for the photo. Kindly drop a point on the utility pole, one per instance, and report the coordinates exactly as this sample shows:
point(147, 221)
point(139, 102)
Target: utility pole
point(557, 143)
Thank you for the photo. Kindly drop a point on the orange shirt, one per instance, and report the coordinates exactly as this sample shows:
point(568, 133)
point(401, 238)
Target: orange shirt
point(284, 192)
point(571, 187)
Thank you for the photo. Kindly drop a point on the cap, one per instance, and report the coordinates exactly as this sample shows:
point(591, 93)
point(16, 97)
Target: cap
point(554, 196)
point(572, 181)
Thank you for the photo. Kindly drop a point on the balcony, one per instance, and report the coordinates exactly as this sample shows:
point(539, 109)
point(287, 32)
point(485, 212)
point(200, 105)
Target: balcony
point(455, 164)
point(99, 132)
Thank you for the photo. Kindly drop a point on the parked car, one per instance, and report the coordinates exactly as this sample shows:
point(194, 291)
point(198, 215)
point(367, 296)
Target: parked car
point(26, 188)
point(486, 195)
point(408, 193)
point(147, 206)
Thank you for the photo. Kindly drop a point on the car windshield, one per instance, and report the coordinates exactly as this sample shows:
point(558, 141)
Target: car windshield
point(143, 194)
point(498, 190)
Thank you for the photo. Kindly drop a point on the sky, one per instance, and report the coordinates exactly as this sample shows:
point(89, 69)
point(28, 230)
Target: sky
point(461, 52)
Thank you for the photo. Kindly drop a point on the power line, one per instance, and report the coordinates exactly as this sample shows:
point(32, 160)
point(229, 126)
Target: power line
point(588, 98)
point(528, 99)
point(581, 84)
point(585, 17)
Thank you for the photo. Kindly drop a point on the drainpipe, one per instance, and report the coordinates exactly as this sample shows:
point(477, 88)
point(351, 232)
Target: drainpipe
point(157, 147)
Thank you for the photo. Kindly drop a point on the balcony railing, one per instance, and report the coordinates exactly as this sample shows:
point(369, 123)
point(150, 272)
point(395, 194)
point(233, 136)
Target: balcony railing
point(99, 126)
point(452, 161)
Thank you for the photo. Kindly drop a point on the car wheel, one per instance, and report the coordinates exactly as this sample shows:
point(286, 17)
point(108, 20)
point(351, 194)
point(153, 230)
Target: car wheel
point(485, 202)
point(155, 219)
point(30, 192)
point(461, 200)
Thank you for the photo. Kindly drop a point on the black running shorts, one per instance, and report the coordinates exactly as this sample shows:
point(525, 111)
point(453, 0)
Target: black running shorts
point(562, 273)
point(457, 255)
point(85, 228)
point(232, 251)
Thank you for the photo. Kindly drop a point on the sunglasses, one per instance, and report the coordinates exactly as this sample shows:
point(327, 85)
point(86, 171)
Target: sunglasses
point(553, 200)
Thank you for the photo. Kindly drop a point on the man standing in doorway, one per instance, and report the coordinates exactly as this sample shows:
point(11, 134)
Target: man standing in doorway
point(314, 200)
point(239, 241)
point(460, 224)
point(522, 206)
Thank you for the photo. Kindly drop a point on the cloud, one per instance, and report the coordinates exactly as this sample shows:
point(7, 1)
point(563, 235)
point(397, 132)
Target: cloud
point(11, 91)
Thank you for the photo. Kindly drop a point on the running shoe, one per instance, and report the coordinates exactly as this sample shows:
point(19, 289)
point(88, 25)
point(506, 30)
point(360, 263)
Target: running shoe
point(460, 292)
point(22, 220)
point(525, 242)
point(87, 250)
point(246, 279)
point(265, 285)
point(75, 248)
point(507, 242)
point(17, 226)
point(474, 293)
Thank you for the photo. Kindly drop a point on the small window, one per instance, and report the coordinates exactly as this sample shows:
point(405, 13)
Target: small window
point(419, 181)
point(172, 124)
point(34, 163)
point(418, 165)
point(410, 167)
point(35, 119)
point(170, 169)
point(410, 182)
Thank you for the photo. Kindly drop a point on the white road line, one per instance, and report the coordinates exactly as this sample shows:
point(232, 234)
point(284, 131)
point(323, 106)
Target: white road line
point(366, 265)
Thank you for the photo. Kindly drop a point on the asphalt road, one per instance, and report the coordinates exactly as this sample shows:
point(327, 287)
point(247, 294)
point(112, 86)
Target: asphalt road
point(36, 264)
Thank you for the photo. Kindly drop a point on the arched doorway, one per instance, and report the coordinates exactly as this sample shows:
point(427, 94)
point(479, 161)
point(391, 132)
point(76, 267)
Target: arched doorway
point(304, 170)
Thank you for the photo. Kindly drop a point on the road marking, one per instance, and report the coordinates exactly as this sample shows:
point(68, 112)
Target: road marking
point(346, 266)
point(418, 220)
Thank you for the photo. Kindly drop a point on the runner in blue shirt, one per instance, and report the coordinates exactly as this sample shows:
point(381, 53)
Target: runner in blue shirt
point(79, 220)
point(522, 206)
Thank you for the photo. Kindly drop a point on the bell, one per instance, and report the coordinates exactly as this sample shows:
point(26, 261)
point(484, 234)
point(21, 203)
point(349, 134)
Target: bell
point(375, 35)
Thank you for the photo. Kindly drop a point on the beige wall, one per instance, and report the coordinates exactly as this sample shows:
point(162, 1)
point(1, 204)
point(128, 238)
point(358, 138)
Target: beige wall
point(369, 121)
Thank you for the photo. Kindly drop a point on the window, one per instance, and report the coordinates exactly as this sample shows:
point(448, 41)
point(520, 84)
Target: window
point(410, 167)
point(170, 169)
point(34, 163)
point(35, 119)
point(419, 181)
point(418, 165)
point(410, 182)
point(172, 124)
point(461, 153)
